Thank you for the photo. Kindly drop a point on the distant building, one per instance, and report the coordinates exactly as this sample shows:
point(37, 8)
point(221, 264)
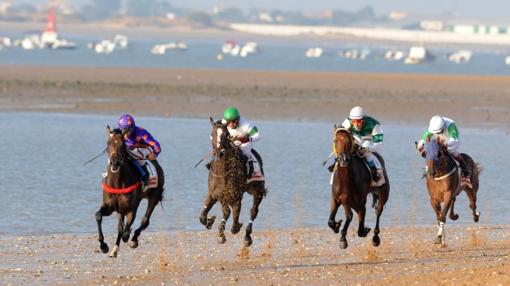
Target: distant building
point(266, 17)
point(477, 29)
point(397, 15)
point(432, 25)
point(4, 7)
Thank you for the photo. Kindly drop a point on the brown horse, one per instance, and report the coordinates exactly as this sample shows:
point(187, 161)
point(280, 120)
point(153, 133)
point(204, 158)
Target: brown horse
point(350, 187)
point(444, 184)
point(227, 184)
point(122, 193)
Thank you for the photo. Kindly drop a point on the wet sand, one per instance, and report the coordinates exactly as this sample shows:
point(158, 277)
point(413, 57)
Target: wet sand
point(318, 96)
point(475, 255)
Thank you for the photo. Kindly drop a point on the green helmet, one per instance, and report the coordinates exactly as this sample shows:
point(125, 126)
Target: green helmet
point(231, 113)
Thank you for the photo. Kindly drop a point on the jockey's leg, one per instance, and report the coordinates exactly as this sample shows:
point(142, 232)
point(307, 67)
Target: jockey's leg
point(139, 156)
point(373, 163)
point(463, 167)
point(246, 149)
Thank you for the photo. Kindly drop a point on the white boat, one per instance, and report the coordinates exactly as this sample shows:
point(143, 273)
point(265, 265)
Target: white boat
point(5, 42)
point(462, 56)
point(356, 54)
point(394, 55)
point(228, 46)
point(418, 54)
point(249, 48)
point(103, 47)
point(161, 49)
point(63, 44)
point(120, 41)
point(507, 60)
point(314, 52)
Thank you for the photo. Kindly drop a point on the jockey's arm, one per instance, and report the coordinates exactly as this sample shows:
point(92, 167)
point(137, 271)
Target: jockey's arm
point(377, 139)
point(152, 143)
point(254, 134)
point(452, 143)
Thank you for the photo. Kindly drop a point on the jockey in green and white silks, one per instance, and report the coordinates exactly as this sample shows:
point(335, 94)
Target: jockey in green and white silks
point(448, 135)
point(368, 135)
point(243, 134)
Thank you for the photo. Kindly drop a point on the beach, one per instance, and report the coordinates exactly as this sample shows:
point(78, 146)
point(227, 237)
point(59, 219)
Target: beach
point(475, 254)
point(476, 101)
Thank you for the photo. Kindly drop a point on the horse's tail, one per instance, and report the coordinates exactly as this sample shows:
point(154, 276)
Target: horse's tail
point(479, 167)
point(375, 198)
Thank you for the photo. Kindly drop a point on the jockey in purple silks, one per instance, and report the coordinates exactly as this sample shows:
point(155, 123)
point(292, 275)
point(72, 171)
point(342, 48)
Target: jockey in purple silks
point(142, 148)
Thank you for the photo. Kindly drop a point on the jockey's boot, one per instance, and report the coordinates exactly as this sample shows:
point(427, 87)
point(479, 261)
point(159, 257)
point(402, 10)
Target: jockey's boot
point(375, 174)
point(466, 176)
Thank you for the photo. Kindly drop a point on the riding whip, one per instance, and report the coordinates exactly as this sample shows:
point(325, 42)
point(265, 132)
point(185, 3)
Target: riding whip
point(329, 156)
point(203, 158)
point(104, 151)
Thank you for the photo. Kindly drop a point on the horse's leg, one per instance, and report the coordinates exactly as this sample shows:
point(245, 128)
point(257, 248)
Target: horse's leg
point(103, 211)
point(362, 230)
point(452, 215)
point(448, 199)
point(153, 202)
point(472, 204)
point(334, 225)
point(120, 228)
point(382, 199)
point(130, 219)
point(257, 199)
point(348, 218)
point(221, 229)
point(208, 204)
point(236, 210)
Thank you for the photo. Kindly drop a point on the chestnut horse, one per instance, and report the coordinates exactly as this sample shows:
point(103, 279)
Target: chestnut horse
point(443, 179)
point(227, 184)
point(122, 193)
point(351, 186)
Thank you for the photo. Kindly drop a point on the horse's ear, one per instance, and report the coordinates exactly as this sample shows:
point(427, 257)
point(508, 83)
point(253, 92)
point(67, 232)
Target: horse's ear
point(212, 121)
point(108, 131)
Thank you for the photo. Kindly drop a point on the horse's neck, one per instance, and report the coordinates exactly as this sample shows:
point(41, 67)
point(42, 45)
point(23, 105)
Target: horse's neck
point(445, 163)
point(123, 178)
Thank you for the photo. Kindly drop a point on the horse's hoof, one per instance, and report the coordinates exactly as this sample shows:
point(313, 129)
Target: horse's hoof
point(104, 247)
point(439, 240)
point(114, 252)
point(247, 241)
point(343, 244)
point(364, 232)
point(203, 220)
point(476, 217)
point(125, 236)
point(236, 228)
point(454, 217)
point(376, 241)
point(210, 222)
point(335, 226)
point(222, 239)
point(133, 244)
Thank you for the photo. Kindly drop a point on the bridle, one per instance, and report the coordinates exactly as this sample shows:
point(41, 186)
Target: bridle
point(344, 158)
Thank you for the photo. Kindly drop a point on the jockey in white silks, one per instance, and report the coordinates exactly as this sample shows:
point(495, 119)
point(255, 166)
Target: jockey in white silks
point(243, 134)
point(368, 136)
point(142, 147)
point(447, 134)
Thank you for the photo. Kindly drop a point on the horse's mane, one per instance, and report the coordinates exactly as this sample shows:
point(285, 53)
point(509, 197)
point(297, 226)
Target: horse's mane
point(116, 131)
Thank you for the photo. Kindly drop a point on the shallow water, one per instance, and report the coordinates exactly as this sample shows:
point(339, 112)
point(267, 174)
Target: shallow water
point(46, 189)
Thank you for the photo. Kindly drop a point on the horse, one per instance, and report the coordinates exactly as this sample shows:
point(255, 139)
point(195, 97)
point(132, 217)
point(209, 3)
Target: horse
point(443, 178)
point(351, 186)
point(122, 193)
point(227, 184)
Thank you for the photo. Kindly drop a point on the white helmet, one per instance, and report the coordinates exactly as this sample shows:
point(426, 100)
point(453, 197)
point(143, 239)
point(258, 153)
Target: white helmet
point(357, 113)
point(436, 124)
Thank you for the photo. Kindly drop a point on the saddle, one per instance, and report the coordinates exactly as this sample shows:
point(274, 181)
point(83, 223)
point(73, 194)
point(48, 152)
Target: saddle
point(375, 180)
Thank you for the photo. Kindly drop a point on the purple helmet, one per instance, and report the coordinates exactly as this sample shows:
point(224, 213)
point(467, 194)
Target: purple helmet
point(126, 121)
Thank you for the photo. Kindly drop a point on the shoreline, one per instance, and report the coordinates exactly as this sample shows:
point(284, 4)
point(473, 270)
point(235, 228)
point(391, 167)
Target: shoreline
point(473, 101)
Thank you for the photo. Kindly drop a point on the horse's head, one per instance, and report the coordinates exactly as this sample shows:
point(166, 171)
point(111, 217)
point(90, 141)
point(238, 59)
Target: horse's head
point(433, 153)
point(116, 148)
point(219, 137)
point(343, 146)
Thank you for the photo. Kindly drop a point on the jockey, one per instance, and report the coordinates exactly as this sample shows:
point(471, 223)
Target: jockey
point(142, 147)
point(243, 134)
point(448, 136)
point(368, 136)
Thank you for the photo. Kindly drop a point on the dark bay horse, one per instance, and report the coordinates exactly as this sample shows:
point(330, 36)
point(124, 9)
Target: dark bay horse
point(227, 184)
point(122, 193)
point(443, 179)
point(351, 186)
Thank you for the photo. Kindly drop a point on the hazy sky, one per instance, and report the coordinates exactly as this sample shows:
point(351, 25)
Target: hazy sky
point(468, 8)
